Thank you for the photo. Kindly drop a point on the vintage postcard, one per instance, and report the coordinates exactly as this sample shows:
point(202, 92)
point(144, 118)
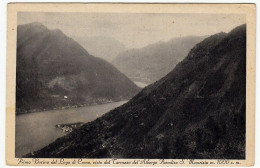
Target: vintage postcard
point(130, 84)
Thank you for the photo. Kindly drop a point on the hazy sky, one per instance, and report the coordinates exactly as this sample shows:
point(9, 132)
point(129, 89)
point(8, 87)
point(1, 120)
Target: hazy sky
point(135, 30)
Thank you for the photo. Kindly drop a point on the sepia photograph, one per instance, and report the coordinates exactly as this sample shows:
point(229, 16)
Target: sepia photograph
point(132, 85)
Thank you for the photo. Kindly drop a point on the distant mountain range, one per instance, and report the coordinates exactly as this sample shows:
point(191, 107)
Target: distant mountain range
point(154, 61)
point(104, 47)
point(54, 71)
point(195, 111)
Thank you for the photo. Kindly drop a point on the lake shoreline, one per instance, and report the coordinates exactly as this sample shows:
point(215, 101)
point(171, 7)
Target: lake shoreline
point(35, 130)
point(70, 107)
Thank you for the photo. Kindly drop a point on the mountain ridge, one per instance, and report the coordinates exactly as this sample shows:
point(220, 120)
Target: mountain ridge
point(104, 47)
point(54, 71)
point(154, 61)
point(197, 111)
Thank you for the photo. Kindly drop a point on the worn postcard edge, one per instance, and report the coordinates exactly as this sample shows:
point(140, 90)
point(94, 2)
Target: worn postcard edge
point(248, 9)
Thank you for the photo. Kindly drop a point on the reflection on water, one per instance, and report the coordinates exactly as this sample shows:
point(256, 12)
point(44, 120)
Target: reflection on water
point(36, 130)
point(140, 84)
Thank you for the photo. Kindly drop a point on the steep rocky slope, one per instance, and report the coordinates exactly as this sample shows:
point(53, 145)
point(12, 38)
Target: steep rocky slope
point(196, 111)
point(55, 71)
point(154, 61)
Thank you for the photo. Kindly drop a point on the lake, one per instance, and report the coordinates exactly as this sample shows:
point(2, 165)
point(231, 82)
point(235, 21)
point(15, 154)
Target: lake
point(36, 130)
point(140, 84)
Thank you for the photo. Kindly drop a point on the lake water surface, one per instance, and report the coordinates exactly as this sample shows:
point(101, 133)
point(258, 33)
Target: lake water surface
point(36, 130)
point(140, 84)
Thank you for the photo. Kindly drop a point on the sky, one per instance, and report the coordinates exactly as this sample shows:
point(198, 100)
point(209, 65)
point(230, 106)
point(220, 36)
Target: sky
point(135, 30)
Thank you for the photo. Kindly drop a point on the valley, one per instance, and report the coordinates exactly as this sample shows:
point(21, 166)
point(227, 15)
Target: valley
point(196, 111)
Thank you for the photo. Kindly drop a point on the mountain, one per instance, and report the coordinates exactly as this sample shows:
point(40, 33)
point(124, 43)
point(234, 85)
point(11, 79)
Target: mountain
point(154, 61)
point(195, 111)
point(100, 46)
point(54, 71)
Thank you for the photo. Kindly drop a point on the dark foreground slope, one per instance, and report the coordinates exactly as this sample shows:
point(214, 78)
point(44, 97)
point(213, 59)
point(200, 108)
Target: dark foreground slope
point(196, 111)
point(55, 71)
point(154, 61)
